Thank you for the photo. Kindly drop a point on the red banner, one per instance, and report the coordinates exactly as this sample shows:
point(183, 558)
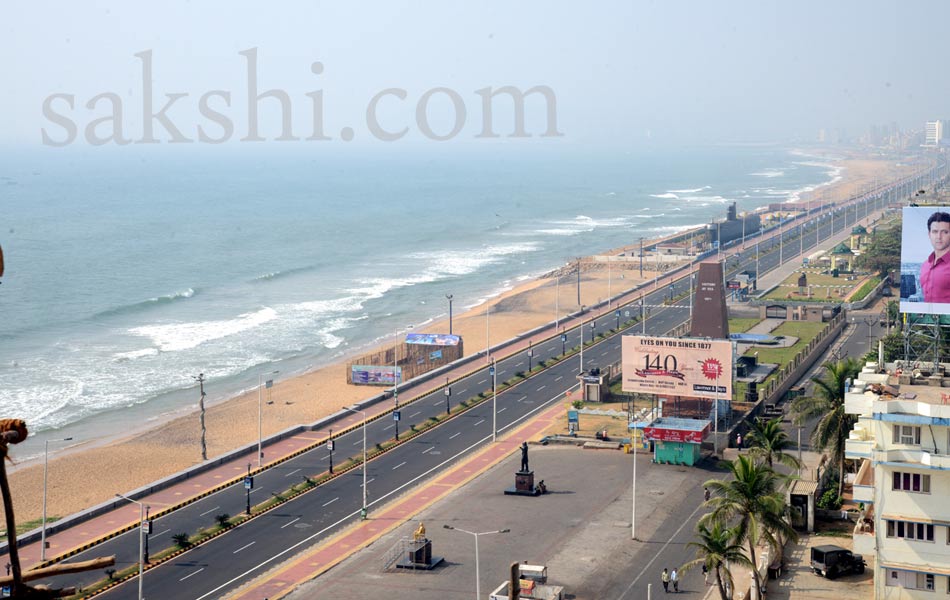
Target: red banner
point(673, 435)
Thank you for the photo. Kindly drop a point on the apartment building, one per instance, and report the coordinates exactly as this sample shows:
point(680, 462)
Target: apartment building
point(902, 439)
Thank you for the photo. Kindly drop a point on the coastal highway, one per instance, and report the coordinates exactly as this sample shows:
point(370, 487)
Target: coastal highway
point(212, 569)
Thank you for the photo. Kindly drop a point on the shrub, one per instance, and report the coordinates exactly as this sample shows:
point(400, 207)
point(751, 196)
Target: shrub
point(222, 519)
point(830, 500)
point(578, 404)
point(181, 540)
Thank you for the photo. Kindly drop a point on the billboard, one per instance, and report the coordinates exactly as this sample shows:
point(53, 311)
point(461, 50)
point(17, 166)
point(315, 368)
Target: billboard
point(432, 339)
point(925, 260)
point(692, 368)
point(662, 434)
point(375, 375)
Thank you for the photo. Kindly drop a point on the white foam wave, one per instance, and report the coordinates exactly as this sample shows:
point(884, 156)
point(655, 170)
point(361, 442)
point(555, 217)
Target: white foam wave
point(707, 199)
point(133, 354)
point(183, 336)
point(666, 196)
point(769, 173)
point(691, 190)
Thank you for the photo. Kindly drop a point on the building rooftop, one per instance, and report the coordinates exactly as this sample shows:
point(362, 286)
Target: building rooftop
point(680, 424)
point(887, 387)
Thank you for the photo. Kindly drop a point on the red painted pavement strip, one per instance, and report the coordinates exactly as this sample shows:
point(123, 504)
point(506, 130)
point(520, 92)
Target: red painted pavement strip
point(322, 557)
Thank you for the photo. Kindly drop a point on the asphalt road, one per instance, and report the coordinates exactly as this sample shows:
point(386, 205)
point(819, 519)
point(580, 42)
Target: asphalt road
point(213, 568)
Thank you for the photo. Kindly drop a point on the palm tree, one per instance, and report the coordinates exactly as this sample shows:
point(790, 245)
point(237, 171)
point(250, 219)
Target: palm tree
point(768, 441)
point(751, 500)
point(716, 548)
point(827, 404)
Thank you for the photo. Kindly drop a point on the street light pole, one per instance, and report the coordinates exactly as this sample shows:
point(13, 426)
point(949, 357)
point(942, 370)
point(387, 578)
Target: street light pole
point(478, 586)
point(362, 412)
point(633, 514)
point(260, 414)
point(141, 538)
point(487, 334)
point(449, 298)
point(494, 400)
point(448, 394)
point(45, 478)
point(557, 301)
point(201, 406)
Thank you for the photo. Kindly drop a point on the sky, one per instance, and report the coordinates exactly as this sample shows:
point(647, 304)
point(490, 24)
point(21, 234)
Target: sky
point(608, 76)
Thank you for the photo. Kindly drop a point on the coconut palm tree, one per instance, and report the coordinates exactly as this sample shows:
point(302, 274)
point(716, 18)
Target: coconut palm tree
point(827, 404)
point(769, 442)
point(753, 502)
point(716, 548)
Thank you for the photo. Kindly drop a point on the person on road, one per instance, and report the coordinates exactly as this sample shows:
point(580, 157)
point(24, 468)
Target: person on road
point(705, 574)
point(705, 494)
point(739, 441)
point(935, 271)
point(675, 580)
point(665, 578)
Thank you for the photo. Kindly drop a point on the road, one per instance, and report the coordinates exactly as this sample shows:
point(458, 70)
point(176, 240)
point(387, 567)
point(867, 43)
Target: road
point(213, 568)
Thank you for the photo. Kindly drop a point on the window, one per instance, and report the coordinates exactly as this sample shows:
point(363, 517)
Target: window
point(910, 580)
point(907, 434)
point(910, 531)
point(911, 482)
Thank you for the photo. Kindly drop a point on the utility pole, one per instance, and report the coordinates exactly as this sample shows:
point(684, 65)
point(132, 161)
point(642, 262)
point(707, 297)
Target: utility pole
point(578, 280)
point(201, 405)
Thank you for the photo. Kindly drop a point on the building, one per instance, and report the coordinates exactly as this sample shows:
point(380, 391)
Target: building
point(933, 133)
point(902, 440)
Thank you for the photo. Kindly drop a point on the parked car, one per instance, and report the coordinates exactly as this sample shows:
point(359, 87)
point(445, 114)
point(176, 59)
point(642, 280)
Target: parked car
point(831, 561)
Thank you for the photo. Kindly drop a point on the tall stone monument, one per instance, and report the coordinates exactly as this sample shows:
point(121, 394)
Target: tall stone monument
point(710, 318)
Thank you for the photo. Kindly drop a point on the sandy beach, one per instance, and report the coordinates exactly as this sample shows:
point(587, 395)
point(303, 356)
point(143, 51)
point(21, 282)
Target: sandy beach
point(95, 472)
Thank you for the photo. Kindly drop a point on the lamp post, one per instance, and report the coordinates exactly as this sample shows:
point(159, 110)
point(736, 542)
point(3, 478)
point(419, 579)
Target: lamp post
point(248, 484)
point(141, 538)
point(448, 394)
point(494, 400)
point(478, 586)
point(362, 412)
point(530, 354)
point(45, 477)
point(593, 326)
point(563, 343)
point(449, 298)
point(487, 334)
point(260, 414)
point(643, 321)
point(608, 281)
point(633, 510)
point(201, 406)
point(557, 302)
point(330, 446)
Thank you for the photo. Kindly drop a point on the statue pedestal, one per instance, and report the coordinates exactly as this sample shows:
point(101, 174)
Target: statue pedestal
point(524, 485)
point(419, 556)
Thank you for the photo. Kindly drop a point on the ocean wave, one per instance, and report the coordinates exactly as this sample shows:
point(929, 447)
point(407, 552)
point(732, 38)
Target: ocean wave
point(769, 173)
point(666, 196)
point(133, 354)
point(146, 304)
point(706, 199)
point(691, 190)
point(280, 274)
point(184, 336)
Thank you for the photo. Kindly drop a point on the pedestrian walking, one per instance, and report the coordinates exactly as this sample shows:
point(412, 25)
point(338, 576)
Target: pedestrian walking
point(665, 578)
point(705, 574)
point(675, 579)
point(739, 441)
point(705, 494)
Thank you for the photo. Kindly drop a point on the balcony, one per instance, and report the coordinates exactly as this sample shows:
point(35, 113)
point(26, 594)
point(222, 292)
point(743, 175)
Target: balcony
point(916, 457)
point(856, 449)
point(863, 488)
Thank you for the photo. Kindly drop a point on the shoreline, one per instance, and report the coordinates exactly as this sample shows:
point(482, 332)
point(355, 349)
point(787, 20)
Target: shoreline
point(94, 469)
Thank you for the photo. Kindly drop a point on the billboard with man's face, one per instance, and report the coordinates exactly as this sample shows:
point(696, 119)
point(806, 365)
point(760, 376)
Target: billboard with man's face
point(925, 260)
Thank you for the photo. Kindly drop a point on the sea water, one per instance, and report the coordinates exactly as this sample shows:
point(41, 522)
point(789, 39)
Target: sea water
point(127, 276)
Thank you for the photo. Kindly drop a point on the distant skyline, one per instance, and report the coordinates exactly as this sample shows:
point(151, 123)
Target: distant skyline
point(612, 76)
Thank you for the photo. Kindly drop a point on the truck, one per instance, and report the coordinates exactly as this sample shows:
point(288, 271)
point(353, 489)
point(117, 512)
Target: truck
point(830, 561)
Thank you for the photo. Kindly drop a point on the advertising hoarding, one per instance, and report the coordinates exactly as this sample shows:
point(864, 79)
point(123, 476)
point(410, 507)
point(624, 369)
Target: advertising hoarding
point(432, 339)
point(692, 368)
point(925, 260)
point(375, 375)
point(660, 434)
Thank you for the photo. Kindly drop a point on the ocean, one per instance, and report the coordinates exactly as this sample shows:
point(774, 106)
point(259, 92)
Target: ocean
point(128, 275)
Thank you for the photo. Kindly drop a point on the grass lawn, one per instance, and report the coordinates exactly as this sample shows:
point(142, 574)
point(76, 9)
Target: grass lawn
point(805, 331)
point(742, 325)
point(819, 283)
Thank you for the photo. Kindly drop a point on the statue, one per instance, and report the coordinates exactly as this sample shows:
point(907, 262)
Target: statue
point(524, 457)
point(420, 533)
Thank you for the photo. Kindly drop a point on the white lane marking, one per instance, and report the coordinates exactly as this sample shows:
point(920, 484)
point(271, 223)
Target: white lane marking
point(291, 473)
point(428, 449)
point(541, 406)
point(325, 457)
point(482, 381)
point(415, 413)
point(552, 349)
point(479, 423)
point(522, 398)
point(209, 511)
point(604, 353)
point(191, 574)
point(389, 427)
point(369, 481)
point(438, 402)
point(519, 364)
point(399, 465)
point(455, 435)
point(289, 524)
point(541, 388)
point(357, 442)
point(155, 535)
point(501, 410)
point(558, 378)
point(254, 490)
point(331, 502)
point(244, 547)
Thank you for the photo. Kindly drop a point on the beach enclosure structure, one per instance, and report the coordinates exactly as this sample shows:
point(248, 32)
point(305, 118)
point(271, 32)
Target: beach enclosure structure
point(414, 355)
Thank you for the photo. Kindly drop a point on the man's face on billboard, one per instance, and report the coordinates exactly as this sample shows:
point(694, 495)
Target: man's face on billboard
point(940, 237)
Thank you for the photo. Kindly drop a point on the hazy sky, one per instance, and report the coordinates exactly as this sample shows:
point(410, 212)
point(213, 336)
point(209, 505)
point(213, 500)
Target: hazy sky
point(623, 73)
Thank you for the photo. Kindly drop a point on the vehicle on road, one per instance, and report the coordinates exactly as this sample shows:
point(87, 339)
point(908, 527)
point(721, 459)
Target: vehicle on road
point(830, 561)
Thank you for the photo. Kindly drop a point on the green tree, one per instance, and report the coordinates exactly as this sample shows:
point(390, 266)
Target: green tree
point(827, 405)
point(717, 549)
point(883, 254)
point(769, 442)
point(753, 502)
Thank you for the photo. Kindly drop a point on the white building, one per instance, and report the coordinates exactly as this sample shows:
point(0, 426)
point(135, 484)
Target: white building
point(933, 133)
point(902, 438)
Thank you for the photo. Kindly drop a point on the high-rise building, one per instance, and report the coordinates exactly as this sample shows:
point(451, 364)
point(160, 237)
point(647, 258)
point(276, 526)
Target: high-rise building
point(902, 438)
point(933, 133)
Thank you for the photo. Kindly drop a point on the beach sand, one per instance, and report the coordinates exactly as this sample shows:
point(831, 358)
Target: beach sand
point(95, 472)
